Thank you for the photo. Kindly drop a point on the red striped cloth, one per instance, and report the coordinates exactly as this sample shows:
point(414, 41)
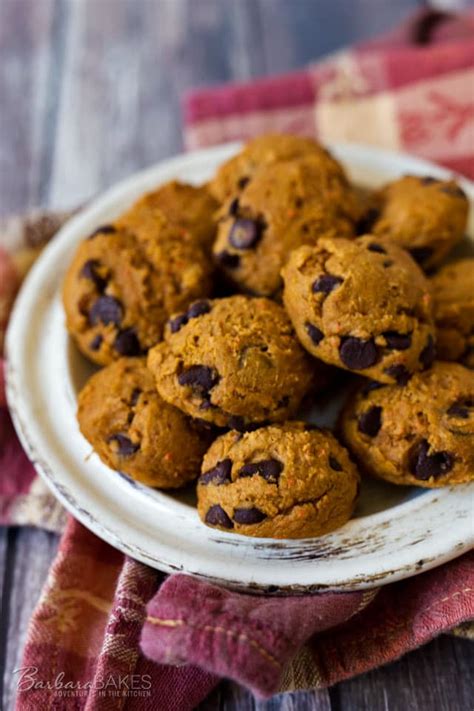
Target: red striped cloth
point(107, 633)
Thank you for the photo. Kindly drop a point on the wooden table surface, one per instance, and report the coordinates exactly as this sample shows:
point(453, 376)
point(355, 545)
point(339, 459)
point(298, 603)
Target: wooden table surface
point(89, 93)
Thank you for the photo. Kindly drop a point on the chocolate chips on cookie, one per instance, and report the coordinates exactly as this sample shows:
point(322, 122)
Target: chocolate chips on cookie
point(421, 434)
point(206, 388)
point(239, 360)
point(349, 312)
point(274, 483)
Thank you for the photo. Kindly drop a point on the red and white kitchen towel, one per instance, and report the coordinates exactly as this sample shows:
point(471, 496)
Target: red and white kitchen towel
point(107, 631)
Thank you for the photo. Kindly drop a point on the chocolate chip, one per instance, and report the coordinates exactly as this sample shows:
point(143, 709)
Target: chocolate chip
point(199, 377)
point(461, 409)
point(397, 341)
point(428, 180)
point(428, 354)
point(358, 354)
point(365, 224)
point(220, 474)
point(453, 190)
point(467, 355)
point(334, 464)
point(242, 182)
point(236, 422)
point(399, 373)
point(314, 333)
point(106, 309)
point(326, 283)
point(103, 230)
point(375, 247)
point(125, 446)
point(178, 322)
point(269, 469)
point(424, 465)
point(421, 254)
point(234, 207)
point(231, 261)
point(203, 425)
point(371, 385)
point(134, 397)
point(245, 233)
point(127, 343)
point(96, 342)
point(89, 271)
point(199, 308)
point(370, 421)
point(248, 516)
point(216, 516)
point(387, 263)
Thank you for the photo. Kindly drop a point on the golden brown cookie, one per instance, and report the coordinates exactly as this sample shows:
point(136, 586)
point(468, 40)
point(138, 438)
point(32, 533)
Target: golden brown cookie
point(134, 431)
point(265, 150)
point(362, 306)
point(282, 481)
point(453, 294)
point(285, 205)
point(121, 287)
point(232, 362)
point(188, 207)
point(426, 216)
point(421, 434)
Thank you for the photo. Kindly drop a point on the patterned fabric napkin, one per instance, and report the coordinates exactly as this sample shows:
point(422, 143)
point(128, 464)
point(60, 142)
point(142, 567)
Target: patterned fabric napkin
point(107, 631)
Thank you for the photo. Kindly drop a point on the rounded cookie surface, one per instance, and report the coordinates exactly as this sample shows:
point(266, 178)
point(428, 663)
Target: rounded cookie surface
point(232, 362)
point(453, 295)
point(189, 207)
point(121, 287)
point(426, 216)
point(134, 431)
point(422, 434)
point(362, 306)
point(269, 149)
point(281, 481)
point(285, 205)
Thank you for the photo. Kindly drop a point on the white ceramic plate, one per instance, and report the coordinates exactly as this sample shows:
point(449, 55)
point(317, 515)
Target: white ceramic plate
point(397, 532)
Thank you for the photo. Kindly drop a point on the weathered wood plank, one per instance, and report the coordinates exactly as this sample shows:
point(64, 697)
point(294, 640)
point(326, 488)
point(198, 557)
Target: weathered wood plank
point(231, 697)
point(30, 554)
point(27, 54)
point(437, 676)
point(124, 76)
point(296, 33)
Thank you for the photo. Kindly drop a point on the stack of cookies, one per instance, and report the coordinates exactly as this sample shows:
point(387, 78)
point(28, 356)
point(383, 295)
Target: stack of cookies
point(217, 312)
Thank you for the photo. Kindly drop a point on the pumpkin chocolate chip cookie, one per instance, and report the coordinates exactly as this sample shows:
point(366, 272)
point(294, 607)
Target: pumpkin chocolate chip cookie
point(134, 431)
point(422, 434)
point(426, 216)
point(281, 481)
point(453, 294)
point(362, 306)
point(285, 205)
point(121, 287)
point(232, 362)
